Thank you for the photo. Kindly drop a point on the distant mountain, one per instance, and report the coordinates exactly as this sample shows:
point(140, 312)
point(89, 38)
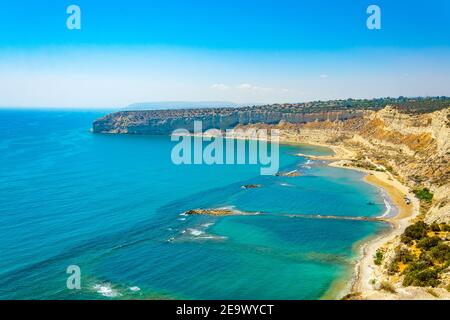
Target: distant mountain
point(182, 105)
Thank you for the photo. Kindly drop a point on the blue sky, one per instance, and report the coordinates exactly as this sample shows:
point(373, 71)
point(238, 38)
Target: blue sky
point(243, 51)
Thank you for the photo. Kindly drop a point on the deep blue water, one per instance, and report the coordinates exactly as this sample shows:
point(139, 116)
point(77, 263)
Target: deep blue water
point(111, 204)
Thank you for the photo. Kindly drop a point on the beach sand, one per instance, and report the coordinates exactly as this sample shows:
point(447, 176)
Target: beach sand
point(365, 269)
point(366, 275)
point(396, 192)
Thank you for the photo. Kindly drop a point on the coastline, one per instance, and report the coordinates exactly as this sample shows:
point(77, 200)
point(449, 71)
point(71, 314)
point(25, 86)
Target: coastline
point(365, 270)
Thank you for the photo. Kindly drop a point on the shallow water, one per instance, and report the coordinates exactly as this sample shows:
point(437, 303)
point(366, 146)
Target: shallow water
point(113, 204)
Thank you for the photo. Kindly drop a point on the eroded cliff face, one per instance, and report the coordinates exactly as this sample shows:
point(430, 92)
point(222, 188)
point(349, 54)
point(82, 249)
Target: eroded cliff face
point(417, 148)
point(166, 121)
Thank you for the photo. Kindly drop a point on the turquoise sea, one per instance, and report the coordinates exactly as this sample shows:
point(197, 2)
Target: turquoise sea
point(113, 205)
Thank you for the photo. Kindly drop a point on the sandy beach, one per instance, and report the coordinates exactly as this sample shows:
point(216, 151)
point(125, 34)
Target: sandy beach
point(365, 270)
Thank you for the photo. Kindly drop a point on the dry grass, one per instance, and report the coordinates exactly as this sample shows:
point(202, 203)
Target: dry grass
point(432, 292)
point(386, 286)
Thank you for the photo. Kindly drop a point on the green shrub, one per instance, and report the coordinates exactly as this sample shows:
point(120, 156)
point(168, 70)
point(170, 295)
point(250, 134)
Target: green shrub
point(416, 231)
point(406, 240)
point(428, 243)
point(393, 268)
point(422, 278)
point(424, 194)
point(434, 258)
point(390, 169)
point(418, 266)
point(435, 227)
point(386, 286)
point(433, 293)
point(440, 253)
point(378, 258)
point(403, 255)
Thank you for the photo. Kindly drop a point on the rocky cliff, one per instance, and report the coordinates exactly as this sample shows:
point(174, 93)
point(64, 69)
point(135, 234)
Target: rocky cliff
point(166, 121)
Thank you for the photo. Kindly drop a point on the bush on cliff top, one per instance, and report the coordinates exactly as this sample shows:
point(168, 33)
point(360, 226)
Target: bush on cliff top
point(416, 231)
point(427, 277)
point(441, 253)
point(378, 258)
point(435, 227)
point(434, 258)
point(428, 243)
point(424, 194)
point(403, 255)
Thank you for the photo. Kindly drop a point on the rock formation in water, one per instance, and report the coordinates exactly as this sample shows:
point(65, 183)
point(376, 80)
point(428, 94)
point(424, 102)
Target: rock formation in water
point(210, 212)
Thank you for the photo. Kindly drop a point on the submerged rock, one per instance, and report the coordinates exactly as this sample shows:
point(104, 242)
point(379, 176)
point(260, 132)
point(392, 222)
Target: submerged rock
point(293, 173)
point(211, 212)
point(251, 186)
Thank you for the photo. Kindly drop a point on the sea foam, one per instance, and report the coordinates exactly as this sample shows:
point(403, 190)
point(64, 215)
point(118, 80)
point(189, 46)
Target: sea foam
point(106, 290)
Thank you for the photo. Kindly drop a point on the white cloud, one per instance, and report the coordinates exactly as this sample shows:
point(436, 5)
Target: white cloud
point(220, 87)
point(323, 76)
point(246, 86)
